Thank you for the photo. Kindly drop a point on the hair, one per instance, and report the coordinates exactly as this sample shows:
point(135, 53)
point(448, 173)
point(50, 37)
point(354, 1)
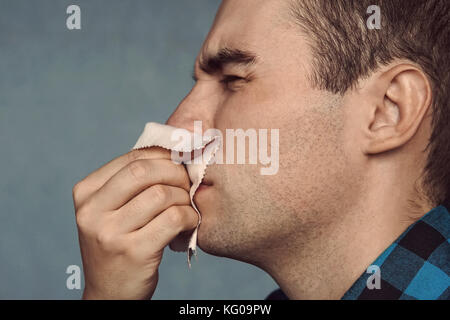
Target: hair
point(345, 50)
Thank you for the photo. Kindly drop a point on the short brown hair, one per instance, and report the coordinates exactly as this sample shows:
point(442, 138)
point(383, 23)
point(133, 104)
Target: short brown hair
point(346, 50)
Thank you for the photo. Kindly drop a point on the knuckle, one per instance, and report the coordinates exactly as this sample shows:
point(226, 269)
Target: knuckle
point(183, 172)
point(133, 207)
point(77, 189)
point(176, 216)
point(135, 154)
point(161, 193)
point(106, 239)
point(184, 195)
point(82, 217)
point(82, 191)
point(138, 169)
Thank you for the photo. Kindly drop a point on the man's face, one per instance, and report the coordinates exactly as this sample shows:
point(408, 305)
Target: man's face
point(246, 215)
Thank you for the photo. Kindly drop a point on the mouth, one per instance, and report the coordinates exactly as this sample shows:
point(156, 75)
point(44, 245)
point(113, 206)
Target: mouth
point(204, 185)
point(206, 182)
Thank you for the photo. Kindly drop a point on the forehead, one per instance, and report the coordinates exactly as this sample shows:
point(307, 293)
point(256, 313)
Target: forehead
point(249, 24)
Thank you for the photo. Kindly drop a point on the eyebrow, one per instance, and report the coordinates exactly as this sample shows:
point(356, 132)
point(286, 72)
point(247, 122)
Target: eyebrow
point(216, 62)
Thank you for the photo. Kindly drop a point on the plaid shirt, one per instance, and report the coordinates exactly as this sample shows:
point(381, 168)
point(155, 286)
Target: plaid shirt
point(415, 266)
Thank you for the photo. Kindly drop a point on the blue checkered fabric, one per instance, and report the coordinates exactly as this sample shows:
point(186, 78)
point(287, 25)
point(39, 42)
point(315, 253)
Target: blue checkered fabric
point(415, 267)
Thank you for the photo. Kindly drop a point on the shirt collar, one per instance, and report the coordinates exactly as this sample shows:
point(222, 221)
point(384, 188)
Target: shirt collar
point(415, 266)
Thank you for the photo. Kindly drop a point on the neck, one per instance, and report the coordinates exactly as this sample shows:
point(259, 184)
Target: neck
point(326, 265)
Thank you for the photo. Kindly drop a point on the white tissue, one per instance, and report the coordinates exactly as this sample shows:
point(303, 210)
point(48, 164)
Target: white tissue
point(168, 137)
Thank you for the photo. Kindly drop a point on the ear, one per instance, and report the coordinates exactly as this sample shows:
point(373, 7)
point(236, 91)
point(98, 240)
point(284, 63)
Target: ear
point(401, 99)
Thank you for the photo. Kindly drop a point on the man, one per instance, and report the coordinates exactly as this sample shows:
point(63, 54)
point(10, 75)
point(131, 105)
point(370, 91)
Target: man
point(364, 157)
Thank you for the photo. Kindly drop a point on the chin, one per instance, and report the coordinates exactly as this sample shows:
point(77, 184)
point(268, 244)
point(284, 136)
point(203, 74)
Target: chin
point(222, 243)
point(207, 241)
point(213, 240)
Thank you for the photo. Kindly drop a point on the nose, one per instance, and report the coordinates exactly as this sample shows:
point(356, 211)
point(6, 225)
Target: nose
point(197, 105)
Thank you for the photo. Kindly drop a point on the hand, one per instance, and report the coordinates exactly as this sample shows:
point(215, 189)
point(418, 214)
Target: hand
point(127, 212)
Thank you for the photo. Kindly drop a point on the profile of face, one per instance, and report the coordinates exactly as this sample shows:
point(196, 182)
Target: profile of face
point(252, 73)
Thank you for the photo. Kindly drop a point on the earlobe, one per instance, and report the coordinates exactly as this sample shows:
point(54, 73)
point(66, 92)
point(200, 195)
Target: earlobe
point(404, 96)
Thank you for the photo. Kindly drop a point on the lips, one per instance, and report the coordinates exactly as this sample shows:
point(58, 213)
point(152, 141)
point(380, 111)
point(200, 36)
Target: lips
point(206, 182)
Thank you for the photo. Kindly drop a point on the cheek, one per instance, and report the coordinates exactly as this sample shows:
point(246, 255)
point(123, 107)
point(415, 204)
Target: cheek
point(262, 104)
point(312, 161)
point(311, 152)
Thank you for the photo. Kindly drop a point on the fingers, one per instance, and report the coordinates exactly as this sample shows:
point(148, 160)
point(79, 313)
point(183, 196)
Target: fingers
point(148, 204)
point(159, 232)
point(134, 178)
point(96, 179)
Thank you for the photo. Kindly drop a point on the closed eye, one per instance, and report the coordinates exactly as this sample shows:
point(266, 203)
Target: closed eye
point(232, 82)
point(228, 79)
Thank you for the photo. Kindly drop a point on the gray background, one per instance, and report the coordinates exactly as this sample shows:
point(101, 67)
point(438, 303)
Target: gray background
point(71, 101)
